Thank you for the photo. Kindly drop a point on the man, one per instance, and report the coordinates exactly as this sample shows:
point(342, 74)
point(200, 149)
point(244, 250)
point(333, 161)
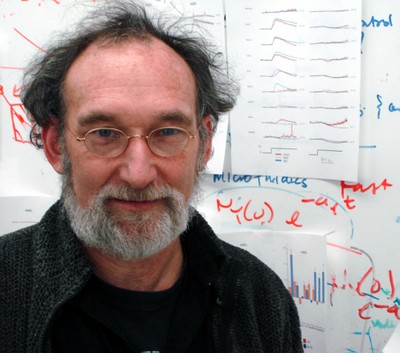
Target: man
point(125, 111)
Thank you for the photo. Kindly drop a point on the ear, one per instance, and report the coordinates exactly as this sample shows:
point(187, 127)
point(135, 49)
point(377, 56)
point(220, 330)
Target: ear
point(207, 151)
point(51, 146)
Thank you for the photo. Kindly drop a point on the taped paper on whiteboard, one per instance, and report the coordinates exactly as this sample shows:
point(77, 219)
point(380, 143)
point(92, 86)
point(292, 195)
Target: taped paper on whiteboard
point(393, 344)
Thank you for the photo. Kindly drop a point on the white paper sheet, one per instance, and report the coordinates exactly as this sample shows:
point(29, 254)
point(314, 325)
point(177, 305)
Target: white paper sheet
point(393, 345)
point(299, 66)
point(22, 211)
point(216, 163)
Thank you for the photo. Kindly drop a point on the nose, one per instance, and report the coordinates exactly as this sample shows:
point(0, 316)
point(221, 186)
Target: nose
point(138, 164)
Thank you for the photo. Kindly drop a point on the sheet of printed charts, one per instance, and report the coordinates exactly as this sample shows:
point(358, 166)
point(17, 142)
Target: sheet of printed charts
point(300, 261)
point(298, 63)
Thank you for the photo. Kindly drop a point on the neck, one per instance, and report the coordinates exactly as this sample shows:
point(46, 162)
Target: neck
point(155, 273)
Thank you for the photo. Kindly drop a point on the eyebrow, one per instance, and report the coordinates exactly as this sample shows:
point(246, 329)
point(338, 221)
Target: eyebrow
point(95, 118)
point(178, 118)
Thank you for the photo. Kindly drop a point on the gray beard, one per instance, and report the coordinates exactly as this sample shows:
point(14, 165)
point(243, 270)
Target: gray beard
point(132, 235)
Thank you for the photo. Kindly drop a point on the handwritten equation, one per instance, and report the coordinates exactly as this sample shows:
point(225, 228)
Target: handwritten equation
point(372, 288)
point(263, 211)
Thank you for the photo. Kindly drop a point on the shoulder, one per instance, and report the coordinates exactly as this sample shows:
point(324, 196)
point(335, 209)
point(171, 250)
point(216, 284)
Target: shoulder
point(18, 248)
point(31, 256)
point(261, 301)
point(16, 244)
point(255, 273)
point(16, 273)
point(252, 270)
point(23, 238)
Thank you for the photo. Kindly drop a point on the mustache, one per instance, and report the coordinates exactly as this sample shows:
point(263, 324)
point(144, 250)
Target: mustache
point(127, 193)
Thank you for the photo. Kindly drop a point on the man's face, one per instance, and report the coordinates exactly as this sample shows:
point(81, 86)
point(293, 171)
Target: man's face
point(135, 87)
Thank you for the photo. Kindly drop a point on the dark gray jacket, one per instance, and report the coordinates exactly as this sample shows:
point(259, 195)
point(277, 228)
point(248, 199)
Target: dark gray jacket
point(43, 266)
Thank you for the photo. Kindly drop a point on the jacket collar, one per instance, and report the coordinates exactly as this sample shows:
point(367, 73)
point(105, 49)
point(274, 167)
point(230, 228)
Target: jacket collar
point(60, 270)
point(200, 244)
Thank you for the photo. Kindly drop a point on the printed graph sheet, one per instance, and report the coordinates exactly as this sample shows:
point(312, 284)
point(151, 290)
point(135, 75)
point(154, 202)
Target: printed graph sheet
point(299, 259)
point(299, 68)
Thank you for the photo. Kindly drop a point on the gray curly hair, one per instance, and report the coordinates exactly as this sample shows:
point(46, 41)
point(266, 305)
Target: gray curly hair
point(115, 22)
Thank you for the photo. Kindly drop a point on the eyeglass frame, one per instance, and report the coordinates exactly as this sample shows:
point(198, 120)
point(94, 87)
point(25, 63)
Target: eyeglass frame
point(127, 137)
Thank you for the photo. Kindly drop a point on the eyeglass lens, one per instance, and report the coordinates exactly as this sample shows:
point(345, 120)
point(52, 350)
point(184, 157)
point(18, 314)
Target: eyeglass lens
point(165, 142)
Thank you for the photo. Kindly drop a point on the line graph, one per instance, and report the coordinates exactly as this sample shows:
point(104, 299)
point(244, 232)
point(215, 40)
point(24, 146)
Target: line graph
point(282, 129)
point(328, 76)
point(279, 21)
point(334, 142)
point(343, 124)
point(278, 72)
point(279, 88)
point(320, 151)
point(281, 121)
point(330, 11)
point(330, 91)
point(345, 58)
point(277, 150)
point(280, 55)
point(282, 137)
point(341, 107)
point(280, 11)
point(330, 27)
point(280, 39)
point(346, 41)
point(281, 106)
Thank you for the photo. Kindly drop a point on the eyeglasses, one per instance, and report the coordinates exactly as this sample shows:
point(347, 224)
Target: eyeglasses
point(109, 142)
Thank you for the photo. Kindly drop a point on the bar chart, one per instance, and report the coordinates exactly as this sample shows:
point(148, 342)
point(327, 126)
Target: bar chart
point(311, 289)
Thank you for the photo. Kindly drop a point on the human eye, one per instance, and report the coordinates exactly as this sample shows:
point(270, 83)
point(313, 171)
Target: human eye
point(168, 141)
point(104, 135)
point(168, 132)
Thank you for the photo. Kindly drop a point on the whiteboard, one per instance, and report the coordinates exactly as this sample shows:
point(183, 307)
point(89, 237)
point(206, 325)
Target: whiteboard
point(336, 241)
